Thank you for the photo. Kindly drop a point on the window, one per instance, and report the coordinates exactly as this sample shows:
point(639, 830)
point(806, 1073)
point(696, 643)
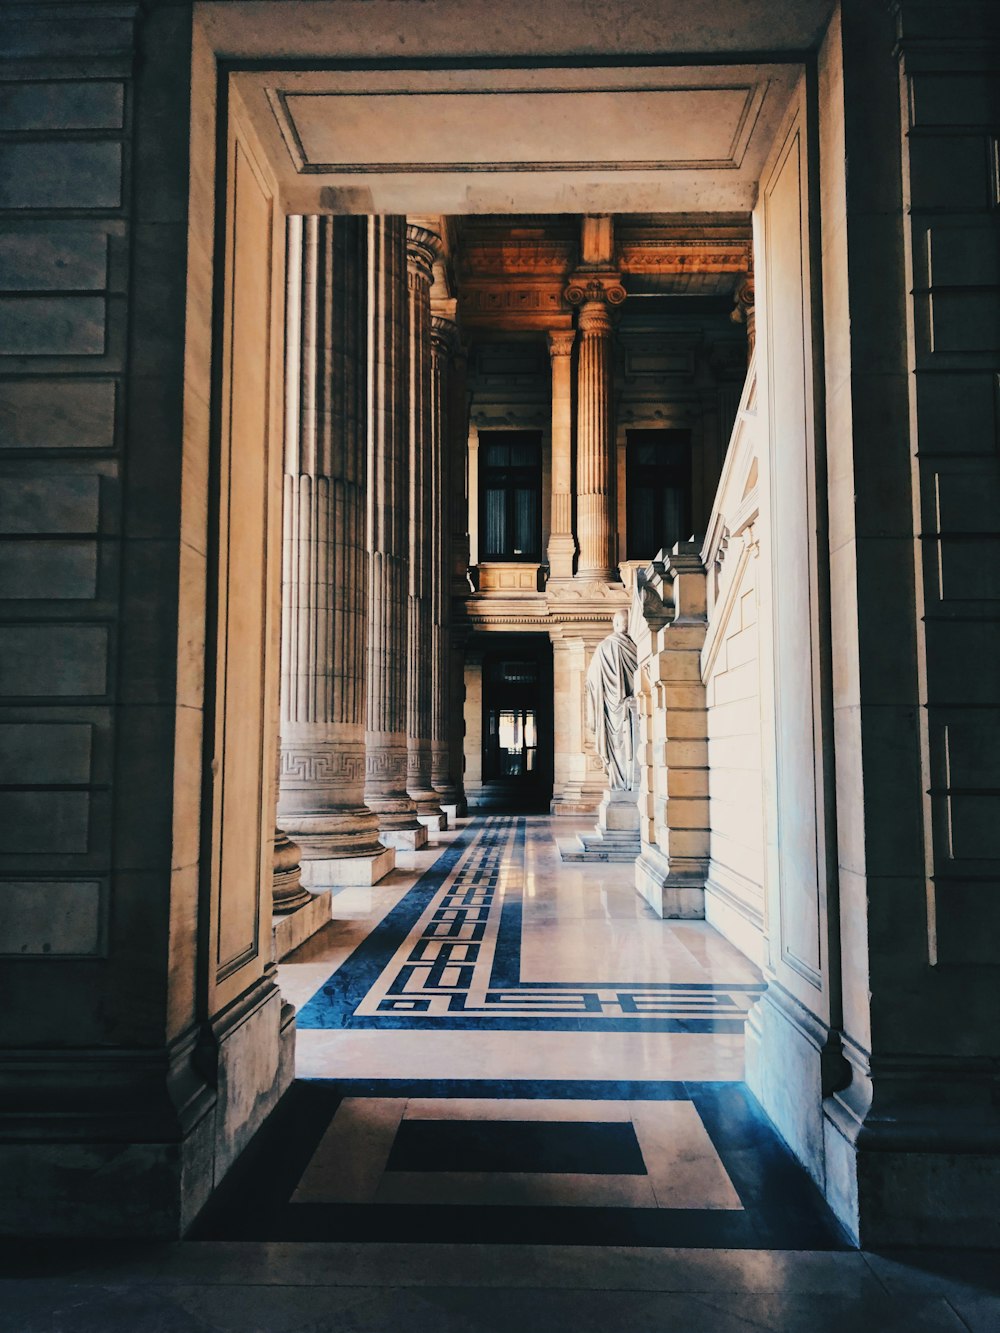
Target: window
point(510, 488)
point(658, 490)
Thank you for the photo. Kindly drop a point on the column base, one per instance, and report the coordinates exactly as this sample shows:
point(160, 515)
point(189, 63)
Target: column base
point(404, 839)
point(434, 823)
point(347, 871)
point(451, 800)
point(673, 894)
point(287, 892)
point(290, 929)
point(597, 575)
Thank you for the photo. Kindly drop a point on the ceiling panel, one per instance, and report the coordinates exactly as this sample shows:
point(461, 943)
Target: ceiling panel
point(616, 129)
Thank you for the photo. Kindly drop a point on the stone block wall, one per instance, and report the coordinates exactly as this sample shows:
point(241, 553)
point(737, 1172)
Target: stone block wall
point(116, 1110)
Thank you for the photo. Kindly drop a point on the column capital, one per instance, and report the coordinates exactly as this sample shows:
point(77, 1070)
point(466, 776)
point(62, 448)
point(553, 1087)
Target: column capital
point(743, 307)
point(444, 334)
point(422, 248)
point(587, 289)
point(561, 342)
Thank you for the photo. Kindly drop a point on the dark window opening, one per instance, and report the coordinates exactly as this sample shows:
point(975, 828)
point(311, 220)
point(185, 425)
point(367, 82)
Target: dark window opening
point(510, 488)
point(658, 490)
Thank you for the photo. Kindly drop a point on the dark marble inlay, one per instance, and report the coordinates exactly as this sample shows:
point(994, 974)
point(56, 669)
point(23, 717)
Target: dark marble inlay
point(602, 1149)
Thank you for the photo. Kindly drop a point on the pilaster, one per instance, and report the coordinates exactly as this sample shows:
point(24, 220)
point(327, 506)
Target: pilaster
point(673, 796)
point(562, 544)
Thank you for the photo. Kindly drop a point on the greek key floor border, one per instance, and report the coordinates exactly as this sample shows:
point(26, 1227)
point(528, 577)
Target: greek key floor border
point(448, 956)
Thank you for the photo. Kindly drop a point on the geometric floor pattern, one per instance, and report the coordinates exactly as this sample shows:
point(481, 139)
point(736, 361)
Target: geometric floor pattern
point(448, 957)
point(693, 1165)
point(498, 1048)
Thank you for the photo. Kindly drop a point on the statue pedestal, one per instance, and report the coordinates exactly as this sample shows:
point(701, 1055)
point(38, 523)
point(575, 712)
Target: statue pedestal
point(616, 837)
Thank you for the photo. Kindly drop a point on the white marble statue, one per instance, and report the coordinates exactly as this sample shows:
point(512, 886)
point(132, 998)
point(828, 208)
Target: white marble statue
point(611, 704)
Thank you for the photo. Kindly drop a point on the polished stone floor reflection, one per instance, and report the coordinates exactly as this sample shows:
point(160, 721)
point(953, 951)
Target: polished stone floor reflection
point(497, 1046)
point(489, 957)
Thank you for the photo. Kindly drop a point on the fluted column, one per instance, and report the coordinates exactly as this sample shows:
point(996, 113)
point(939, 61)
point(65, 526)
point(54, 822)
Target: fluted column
point(562, 543)
point(421, 250)
point(458, 434)
point(388, 536)
point(595, 458)
point(444, 341)
point(324, 566)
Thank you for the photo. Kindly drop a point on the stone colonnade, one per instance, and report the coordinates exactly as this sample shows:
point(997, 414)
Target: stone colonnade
point(366, 555)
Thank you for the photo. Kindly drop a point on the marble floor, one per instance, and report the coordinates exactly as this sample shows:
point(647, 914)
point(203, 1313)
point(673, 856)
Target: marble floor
point(485, 956)
point(519, 1109)
point(494, 1045)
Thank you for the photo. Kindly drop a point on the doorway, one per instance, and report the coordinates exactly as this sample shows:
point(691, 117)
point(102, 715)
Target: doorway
point(517, 724)
point(435, 942)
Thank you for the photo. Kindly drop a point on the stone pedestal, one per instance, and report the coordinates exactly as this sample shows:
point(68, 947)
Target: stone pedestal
point(404, 839)
point(291, 929)
point(347, 871)
point(616, 837)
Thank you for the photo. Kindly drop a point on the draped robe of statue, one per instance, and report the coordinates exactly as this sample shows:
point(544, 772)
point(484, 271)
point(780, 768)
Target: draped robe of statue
point(612, 706)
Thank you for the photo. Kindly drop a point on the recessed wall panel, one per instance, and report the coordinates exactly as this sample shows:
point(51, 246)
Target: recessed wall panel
point(243, 573)
point(793, 564)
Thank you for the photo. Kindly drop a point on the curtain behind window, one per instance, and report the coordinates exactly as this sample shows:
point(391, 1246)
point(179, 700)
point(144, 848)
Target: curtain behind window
point(496, 522)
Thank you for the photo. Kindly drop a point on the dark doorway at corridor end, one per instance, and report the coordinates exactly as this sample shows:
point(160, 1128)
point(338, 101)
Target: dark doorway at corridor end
point(517, 724)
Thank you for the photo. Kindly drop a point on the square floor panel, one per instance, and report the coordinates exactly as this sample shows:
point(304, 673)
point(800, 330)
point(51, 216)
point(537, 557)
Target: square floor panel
point(369, 1160)
point(517, 1145)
